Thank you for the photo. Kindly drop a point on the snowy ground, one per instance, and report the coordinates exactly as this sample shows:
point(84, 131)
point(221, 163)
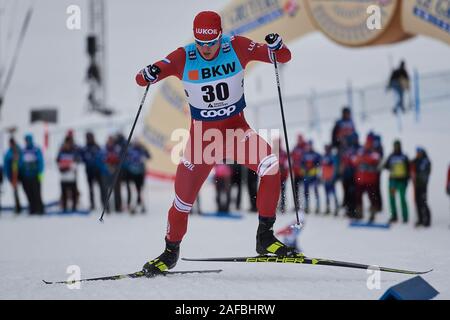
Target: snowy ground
point(42, 248)
point(32, 249)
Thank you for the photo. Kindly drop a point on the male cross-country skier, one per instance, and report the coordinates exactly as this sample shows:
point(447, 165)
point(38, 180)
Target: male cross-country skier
point(212, 72)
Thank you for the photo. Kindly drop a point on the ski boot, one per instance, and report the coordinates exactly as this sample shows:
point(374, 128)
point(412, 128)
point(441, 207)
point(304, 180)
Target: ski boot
point(266, 243)
point(167, 260)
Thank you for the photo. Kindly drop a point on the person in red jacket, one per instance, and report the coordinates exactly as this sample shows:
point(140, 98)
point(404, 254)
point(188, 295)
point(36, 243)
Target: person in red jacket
point(367, 163)
point(212, 71)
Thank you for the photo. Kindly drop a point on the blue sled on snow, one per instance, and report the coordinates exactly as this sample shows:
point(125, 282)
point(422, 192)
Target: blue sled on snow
point(68, 213)
point(222, 215)
point(363, 224)
point(24, 209)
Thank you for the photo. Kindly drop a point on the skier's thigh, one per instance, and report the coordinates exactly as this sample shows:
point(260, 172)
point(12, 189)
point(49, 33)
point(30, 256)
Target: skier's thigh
point(189, 179)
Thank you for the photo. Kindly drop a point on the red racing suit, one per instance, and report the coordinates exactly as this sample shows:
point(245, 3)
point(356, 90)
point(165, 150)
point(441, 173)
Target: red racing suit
point(193, 169)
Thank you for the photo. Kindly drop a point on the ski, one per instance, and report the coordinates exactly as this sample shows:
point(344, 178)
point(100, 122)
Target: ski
point(301, 259)
point(134, 275)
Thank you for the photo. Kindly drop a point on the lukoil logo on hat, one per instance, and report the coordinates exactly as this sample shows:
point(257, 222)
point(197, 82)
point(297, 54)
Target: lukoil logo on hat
point(207, 26)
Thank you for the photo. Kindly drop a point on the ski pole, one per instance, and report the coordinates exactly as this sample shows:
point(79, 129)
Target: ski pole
point(123, 155)
point(277, 75)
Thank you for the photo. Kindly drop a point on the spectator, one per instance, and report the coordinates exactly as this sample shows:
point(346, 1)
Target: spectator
point(90, 155)
point(31, 172)
point(448, 181)
point(366, 162)
point(67, 160)
point(420, 173)
point(310, 166)
point(222, 176)
point(252, 184)
point(399, 83)
point(343, 129)
point(111, 159)
point(236, 181)
point(135, 172)
point(378, 147)
point(398, 165)
point(296, 156)
point(1, 185)
point(78, 150)
point(119, 145)
point(350, 147)
point(329, 166)
point(12, 162)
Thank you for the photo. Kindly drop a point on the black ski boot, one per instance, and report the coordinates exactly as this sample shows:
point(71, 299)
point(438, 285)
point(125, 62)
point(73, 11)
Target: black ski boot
point(167, 260)
point(266, 243)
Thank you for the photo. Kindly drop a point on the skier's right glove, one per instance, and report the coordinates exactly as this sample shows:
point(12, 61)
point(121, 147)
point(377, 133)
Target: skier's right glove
point(150, 73)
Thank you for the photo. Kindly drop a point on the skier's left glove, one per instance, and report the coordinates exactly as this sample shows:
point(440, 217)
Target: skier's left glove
point(150, 73)
point(274, 41)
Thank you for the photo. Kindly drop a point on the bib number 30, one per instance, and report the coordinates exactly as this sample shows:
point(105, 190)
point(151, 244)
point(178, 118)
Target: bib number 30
point(220, 91)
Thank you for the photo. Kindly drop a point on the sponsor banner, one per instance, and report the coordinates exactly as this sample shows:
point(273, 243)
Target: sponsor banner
point(430, 18)
point(345, 22)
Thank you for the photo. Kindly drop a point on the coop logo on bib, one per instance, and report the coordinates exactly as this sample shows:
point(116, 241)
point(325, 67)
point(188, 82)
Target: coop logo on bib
point(218, 113)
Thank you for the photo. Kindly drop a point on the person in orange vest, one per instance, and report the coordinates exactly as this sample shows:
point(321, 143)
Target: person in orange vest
point(366, 162)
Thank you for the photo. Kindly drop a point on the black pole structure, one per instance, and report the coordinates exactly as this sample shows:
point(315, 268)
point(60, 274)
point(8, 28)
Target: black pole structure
point(123, 155)
point(277, 75)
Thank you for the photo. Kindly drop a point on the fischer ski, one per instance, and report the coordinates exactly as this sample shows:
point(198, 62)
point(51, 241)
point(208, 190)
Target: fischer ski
point(301, 259)
point(134, 275)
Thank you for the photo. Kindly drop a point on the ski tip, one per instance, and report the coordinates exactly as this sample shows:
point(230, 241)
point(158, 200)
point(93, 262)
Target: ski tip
point(425, 272)
point(47, 282)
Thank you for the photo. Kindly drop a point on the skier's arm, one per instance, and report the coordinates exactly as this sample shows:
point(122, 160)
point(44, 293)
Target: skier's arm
point(172, 65)
point(248, 50)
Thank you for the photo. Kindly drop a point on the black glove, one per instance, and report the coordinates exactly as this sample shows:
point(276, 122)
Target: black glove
point(274, 41)
point(150, 73)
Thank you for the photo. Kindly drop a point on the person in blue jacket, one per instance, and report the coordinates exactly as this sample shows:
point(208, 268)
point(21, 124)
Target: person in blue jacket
point(31, 171)
point(90, 154)
point(135, 171)
point(11, 164)
point(310, 165)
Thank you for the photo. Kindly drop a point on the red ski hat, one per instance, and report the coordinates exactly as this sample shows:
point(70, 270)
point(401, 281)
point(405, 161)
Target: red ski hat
point(207, 26)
